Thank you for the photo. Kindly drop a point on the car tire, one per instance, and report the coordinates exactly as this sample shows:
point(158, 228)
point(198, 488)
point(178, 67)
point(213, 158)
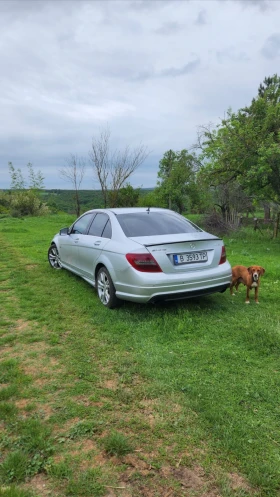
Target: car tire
point(105, 289)
point(53, 257)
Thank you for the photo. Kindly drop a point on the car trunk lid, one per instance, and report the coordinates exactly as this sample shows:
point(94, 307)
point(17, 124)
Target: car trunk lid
point(183, 252)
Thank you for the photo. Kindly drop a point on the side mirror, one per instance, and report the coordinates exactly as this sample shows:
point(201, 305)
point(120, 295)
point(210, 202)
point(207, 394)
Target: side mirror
point(64, 231)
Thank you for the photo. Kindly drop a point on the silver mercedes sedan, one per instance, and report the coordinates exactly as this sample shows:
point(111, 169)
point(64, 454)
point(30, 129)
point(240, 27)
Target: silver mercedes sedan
point(141, 255)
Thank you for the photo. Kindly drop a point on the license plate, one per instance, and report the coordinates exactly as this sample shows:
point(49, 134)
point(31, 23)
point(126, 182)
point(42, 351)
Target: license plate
point(190, 257)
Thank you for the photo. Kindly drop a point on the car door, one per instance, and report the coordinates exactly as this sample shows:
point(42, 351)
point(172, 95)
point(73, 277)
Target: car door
point(92, 243)
point(69, 244)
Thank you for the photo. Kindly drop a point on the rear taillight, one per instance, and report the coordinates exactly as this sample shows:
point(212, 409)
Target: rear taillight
point(144, 262)
point(223, 256)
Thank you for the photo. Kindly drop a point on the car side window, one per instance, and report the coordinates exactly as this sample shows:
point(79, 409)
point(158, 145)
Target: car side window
point(107, 232)
point(101, 226)
point(80, 227)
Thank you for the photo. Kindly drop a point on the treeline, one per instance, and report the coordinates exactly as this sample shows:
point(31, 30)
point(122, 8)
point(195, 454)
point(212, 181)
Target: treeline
point(64, 200)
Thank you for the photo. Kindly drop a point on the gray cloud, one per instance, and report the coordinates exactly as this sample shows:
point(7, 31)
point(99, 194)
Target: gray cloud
point(271, 48)
point(231, 54)
point(263, 5)
point(169, 72)
point(169, 28)
point(201, 18)
point(144, 67)
point(148, 5)
point(180, 71)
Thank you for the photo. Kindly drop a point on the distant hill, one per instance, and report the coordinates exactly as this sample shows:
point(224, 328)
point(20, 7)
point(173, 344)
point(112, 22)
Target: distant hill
point(63, 200)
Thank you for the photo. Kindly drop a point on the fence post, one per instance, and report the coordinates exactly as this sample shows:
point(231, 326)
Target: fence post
point(276, 225)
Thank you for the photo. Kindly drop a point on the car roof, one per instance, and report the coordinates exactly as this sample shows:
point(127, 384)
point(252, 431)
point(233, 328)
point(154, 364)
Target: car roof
point(130, 210)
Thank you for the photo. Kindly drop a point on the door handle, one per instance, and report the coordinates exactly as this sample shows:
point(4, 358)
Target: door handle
point(97, 243)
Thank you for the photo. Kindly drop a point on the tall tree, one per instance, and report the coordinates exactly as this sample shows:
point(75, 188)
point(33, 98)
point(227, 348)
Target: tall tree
point(245, 146)
point(18, 182)
point(176, 176)
point(73, 172)
point(113, 168)
point(127, 196)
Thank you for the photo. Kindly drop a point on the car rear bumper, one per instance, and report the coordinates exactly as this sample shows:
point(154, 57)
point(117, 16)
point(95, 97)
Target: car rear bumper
point(188, 295)
point(176, 288)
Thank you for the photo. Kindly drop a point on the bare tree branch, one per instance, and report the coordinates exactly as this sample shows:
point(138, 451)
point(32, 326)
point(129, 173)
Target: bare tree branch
point(73, 172)
point(113, 169)
point(99, 156)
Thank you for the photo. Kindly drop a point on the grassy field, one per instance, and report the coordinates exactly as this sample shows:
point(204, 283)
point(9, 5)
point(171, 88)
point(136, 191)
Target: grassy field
point(180, 399)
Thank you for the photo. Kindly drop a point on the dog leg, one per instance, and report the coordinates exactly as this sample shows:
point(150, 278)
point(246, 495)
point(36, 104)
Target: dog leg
point(247, 301)
point(257, 295)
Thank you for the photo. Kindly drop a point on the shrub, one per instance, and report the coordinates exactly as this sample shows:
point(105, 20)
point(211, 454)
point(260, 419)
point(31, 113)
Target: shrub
point(26, 202)
point(117, 444)
point(14, 468)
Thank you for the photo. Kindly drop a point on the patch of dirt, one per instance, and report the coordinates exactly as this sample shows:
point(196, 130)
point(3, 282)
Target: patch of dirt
point(148, 410)
point(34, 366)
point(135, 462)
point(45, 411)
point(22, 403)
point(29, 267)
point(189, 478)
point(21, 325)
point(40, 485)
point(27, 348)
point(111, 384)
point(83, 400)
point(238, 482)
point(165, 480)
point(99, 459)
point(40, 382)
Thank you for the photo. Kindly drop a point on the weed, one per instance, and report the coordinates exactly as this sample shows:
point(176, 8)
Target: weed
point(60, 470)
point(87, 485)
point(116, 444)
point(8, 392)
point(7, 411)
point(9, 370)
point(84, 429)
point(14, 468)
point(12, 491)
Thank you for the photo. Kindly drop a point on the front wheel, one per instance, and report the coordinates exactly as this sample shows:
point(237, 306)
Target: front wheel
point(53, 257)
point(105, 289)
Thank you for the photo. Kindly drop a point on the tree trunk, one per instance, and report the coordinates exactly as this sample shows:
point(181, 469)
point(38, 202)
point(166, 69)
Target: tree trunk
point(266, 212)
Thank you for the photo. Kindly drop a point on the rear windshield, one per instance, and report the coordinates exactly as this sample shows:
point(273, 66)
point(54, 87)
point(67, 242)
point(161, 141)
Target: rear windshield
point(154, 223)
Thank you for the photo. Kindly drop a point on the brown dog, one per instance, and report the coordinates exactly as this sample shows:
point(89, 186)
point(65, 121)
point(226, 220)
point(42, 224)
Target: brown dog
point(249, 276)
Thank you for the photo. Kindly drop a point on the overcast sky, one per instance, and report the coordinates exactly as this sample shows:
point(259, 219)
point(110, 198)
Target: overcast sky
point(153, 70)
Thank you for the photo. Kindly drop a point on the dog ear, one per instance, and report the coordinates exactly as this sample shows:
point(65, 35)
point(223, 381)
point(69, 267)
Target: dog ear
point(262, 271)
point(249, 269)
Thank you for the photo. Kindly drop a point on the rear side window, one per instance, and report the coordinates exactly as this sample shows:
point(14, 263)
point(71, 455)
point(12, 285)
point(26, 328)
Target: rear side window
point(101, 226)
point(154, 223)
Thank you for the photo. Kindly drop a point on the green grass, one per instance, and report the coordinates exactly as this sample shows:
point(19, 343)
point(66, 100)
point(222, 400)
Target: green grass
point(117, 444)
point(135, 399)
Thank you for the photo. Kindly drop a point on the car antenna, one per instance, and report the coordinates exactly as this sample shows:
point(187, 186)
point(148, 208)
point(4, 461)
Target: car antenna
point(148, 210)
